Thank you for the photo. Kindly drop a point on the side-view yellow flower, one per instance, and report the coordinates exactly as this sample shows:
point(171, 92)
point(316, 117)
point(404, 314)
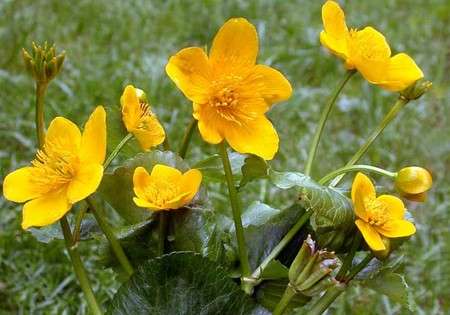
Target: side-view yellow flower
point(413, 182)
point(366, 51)
point(139, 119)
point(230, 92)
point(67, 169)
point(165, 187)
point(378, 216)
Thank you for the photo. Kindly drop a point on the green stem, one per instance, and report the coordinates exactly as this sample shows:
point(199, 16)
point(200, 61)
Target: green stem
point(115, 245)
point(80, 272)
point(242, 245)
point(162, 232)
point(357, 168)
point(280, 246)
point(116, 150)
point(288, 294)
point(187, 138)
point(76, 231)
point(166, 144)
point(40, 93)
point(359, 267)
point(323, 118)
point(349, 258)
point(327, 299)
point(401, 102)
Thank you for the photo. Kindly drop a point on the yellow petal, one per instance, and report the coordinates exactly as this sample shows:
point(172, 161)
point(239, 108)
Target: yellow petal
point(191, 71)
point(364, 185)
point(177, 202)
point(371, 236)
point(269, 83)
point(131, 113)
point(335, 33)
point(422, 197)
point(141, 179)
point(45, 210)
point(64, 134)
point(393, 205)
point(397, 228)
point(401, 73)
point(146, 204)
point(370, 53)
point(208, 123)
point(18, 186)
point(93, 140)
point(359, 205)
point(151, 135)
point(257, 137)
point(161, 171)
point(189, 183)
point(235, 43)
point(85, 182)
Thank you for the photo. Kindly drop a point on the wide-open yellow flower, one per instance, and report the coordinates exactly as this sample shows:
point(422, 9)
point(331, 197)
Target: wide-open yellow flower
point(165, 187)
point(366, 51)
point(67, 169)
point(139, 119)
point(383, 215)
point(230, 92)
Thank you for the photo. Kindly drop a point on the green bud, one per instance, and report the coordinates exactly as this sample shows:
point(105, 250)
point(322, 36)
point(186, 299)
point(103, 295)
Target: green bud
point(321, 286)
point(416, 90)
point(142, 96)
point(43, 66)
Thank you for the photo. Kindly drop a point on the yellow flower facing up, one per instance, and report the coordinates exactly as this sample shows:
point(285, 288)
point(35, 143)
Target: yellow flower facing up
point(165, 187)
point(230, 93)
point(366, 51)
point(139, 119)
point(413, 182)
point(378, 216)
point(67, 169)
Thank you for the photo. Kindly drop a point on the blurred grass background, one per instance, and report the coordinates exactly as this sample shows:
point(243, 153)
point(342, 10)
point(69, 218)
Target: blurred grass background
point(111, 44)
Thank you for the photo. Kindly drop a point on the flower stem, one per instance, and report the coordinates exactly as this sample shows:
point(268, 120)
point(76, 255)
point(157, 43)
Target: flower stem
point(288, 294)
point(161, 232)
point(357, 168)
point(401, 102)
point(41, 88)
point(76, 230)
point(280, 246)
point(349, 258)
point(117, 150)
point(359, 267)
point(242, 245)
point(187, 138)
point(325, 300)
point(80, 272)
point(323, 118)
point(115, 245)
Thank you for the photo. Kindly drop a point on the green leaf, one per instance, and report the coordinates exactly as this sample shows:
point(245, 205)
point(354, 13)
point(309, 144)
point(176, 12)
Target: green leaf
point(394, 286)
point(212, 167)
point(275, 270)
point(117, 188)
point(254, 168)
point(333, 212)
point(182, 283)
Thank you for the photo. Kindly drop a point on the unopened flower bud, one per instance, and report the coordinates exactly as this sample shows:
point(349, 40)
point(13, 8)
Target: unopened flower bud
point(413, 182)
point(142, 96)
point(416, 90)
point(43, 65)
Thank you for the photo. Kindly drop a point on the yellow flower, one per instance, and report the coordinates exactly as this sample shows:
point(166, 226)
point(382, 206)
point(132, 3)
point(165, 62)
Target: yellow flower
point(378, 216)
point(366, 51)
point(165, 188)
point(139, 119)
point(230, 92)
point(67, 169)
point(413, 182)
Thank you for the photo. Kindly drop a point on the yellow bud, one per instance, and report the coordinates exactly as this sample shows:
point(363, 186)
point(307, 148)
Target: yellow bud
point(142, 96)
point(413, 182)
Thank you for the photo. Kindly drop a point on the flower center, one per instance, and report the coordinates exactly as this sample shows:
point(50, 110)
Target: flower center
point(225, 96)
point(378, 215)
point(161, 191)
point(56, 166)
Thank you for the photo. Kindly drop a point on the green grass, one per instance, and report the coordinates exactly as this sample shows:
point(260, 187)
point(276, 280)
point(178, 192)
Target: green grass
point(113, 43)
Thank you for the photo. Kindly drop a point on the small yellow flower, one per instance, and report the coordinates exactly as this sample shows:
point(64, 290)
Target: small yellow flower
point(165, 188)
point(139, 119)
point(230, 92)
point(413, 182)
point(378, 216)
point(67, 169)
point(366, 51)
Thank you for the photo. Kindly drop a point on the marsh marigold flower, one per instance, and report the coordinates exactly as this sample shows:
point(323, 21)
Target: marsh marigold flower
point(366, 51)
point(378, 216)
point(139, 119)
point(67, 169)
point(413, 182)
point(230, 93)
point(165, 187)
